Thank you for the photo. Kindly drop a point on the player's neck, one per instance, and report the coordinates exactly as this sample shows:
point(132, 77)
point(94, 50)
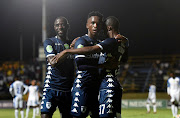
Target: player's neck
point(63, 38)
point(94, 37)
point(113, 34)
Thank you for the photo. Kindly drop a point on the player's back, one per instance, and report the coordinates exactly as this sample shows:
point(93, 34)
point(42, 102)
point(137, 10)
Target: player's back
point(33, 92)
point(18, 87)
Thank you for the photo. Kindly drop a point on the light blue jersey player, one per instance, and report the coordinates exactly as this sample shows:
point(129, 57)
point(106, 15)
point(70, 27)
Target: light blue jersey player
point(59, 76)
point(17, 90)
point(110, 90)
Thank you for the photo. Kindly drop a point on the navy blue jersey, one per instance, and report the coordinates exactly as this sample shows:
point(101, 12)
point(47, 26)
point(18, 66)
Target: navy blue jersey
point(59, 77)
point(86, 62)
point(111, 48)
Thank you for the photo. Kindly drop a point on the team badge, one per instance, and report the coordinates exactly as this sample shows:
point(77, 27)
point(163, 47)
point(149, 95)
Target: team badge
point(48, 105)
point(66, 46)
point(49, 48)
point(83, 109)
point(80, 46)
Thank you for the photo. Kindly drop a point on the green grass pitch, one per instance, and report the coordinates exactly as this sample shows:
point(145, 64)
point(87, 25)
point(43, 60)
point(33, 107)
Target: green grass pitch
point(126, 113)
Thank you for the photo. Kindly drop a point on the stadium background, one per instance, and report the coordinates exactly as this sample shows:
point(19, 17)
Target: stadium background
point(151, 26)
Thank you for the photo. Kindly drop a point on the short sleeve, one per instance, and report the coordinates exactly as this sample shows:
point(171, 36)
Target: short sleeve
point(108, 44)
point(49, 48)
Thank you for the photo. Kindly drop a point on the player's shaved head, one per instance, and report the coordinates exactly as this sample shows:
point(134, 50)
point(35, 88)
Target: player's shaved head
point(113, 22)
point(62, 18)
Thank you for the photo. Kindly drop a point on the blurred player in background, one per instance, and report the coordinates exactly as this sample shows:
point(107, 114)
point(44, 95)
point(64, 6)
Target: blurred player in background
point(151, 98)
point(114, 50)
point(173, 89)
point(59, 77)
point(17, 90)
point(33, 99)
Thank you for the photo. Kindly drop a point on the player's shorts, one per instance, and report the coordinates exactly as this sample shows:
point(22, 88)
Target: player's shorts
point(32, 103)
point(151, 100)
point(174, 97)
point(52, 99)
point(110, 97)
point(18, 101)
point(85, 98)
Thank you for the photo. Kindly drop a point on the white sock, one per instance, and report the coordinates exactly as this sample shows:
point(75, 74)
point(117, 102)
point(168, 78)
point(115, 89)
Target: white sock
point(22, 114)
point(172, 108)
point(27, 112)
point(175, 110)
point(148, 107)
point(16, 113)
point(154, 108)
point(37, 110)
point(34, 112)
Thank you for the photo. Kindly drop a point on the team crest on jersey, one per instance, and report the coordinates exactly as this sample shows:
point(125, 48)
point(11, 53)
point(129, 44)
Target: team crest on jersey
point(83, 109)
point(48, 105)
point(66, 46)
point(80, 46)
point(49, 48)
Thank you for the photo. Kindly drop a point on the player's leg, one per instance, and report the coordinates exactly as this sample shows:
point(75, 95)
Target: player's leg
point(173, 104)
point(15, 103)
point(21, 107)
point(154, 105)
point(27, 111)
point(148, 105)
point(64, 104)
point(48, 103)
point(79, 103)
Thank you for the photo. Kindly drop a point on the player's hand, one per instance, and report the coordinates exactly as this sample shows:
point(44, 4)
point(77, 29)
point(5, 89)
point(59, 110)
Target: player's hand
point(73, 42)
point(59, 57)
point(121, 38)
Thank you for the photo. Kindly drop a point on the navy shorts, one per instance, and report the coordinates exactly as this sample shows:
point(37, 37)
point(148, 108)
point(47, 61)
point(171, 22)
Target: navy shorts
point(110, 96)
point(85, 100)
point(52, 99)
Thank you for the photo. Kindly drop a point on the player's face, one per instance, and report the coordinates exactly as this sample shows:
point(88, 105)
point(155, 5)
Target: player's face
point(61, 27)
point(93, 25)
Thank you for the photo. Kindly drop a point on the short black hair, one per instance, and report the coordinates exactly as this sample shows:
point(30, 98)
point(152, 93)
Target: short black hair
point(95, 13)
point(112, 21)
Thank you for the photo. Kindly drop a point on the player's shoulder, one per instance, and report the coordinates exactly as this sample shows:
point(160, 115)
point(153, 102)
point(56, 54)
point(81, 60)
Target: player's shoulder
point(50, 40)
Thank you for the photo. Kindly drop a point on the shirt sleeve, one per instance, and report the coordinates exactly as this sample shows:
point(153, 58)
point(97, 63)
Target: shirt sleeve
point(108, 44)
point(49, 48)
point(80, 43)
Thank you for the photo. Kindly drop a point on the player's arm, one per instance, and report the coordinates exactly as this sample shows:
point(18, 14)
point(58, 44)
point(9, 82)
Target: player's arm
point(168, 87)
point(11, 90)
point(85, 50)
point(25, 89)
point(73, 42)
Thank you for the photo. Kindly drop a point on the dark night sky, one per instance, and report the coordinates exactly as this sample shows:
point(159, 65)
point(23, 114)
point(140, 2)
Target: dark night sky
point(152, 26)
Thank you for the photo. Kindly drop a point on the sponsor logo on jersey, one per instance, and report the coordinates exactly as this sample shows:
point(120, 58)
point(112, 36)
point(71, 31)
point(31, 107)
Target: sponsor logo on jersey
point(49, 48)
point(80, 46)
point(48, 105)
point(66, 46)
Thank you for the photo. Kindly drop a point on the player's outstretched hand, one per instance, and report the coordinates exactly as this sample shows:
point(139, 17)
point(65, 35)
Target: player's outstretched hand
point(59, 57)
point(121, 38)
point(73, 42)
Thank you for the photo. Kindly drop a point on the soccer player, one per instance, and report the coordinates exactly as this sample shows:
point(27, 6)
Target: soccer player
point(59, 77)
point(32, 98)
point(173, 89)
point(114, 50)
point(151, 98)
point(17, 90)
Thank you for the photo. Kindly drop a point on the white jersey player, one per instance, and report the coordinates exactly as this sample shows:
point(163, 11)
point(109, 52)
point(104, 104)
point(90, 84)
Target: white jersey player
point(17, 90)
point(173, 89)
point(151, 98)
point(33, 99)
